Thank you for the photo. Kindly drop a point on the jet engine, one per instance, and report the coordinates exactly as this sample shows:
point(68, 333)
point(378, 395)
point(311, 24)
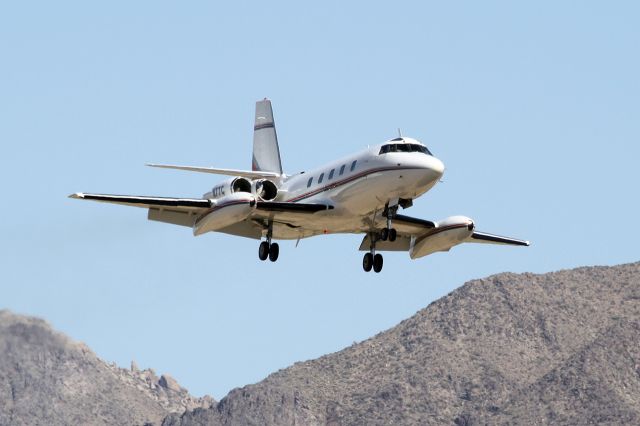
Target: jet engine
point(447, 234)
point(265, 190)
point(228, 187)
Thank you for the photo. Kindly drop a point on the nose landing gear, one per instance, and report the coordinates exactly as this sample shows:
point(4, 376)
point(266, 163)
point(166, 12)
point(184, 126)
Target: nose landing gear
point(389, 233)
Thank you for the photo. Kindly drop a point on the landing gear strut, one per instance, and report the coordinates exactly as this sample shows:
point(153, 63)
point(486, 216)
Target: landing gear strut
point(268, 249)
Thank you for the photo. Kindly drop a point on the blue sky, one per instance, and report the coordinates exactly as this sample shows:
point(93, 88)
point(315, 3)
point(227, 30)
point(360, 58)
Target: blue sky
point(534, 109)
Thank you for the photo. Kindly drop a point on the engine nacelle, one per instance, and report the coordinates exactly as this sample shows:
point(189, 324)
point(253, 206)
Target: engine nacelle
point(448, 233)
point(226, 211)
point(265, 190)
point(228, 187)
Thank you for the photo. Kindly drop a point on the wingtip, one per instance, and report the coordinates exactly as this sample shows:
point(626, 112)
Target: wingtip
point(77, 195)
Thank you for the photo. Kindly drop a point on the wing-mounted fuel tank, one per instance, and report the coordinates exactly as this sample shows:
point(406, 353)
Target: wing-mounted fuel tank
point(448, 233)
point(225, 211)
point(228, 187)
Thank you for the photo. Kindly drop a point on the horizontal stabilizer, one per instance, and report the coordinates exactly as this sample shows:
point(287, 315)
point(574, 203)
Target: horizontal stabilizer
point(227, 172)
point(483, 237)
point(146, 202)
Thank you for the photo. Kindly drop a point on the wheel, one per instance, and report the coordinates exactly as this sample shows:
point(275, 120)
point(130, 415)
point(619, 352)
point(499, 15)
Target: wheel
point(392, 234)
point(377, 262)
point(263, 250)
point(367, 262)
point(384, 234)
point(274, 251)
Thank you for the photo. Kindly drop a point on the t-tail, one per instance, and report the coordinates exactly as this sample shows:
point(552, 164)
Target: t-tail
point(266, 162)
point(266, 154)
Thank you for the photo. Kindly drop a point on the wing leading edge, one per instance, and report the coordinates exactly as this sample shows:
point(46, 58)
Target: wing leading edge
point(483, 237)
point(187, 204)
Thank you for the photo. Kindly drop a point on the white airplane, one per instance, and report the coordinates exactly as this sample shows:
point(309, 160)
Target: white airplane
point(358, 194)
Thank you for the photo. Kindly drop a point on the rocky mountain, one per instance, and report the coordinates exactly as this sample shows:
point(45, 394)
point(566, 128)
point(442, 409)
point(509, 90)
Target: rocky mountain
point(47, 379)
point(557, 348)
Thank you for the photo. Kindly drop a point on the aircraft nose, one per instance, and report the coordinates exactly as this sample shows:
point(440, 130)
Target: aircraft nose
point(436, 166)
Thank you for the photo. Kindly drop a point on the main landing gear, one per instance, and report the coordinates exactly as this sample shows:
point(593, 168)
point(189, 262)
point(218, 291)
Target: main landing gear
point(268, 249)
point(371, 260)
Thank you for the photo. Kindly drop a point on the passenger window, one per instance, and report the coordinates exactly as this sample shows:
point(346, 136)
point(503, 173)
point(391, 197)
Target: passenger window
point(331, 173)
point(321, 177)
point(342, 170)
point(310, 182)
point(353, 165)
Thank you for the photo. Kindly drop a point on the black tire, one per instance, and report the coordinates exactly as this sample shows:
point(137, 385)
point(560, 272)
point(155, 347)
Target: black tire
point(392, 234)
point(384, 234)
point(263, 250)
point(274, 251)
point(377, 262)
point(367, 262)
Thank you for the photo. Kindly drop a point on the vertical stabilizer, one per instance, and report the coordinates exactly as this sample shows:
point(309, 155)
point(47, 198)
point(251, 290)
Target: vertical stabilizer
point(266, 154)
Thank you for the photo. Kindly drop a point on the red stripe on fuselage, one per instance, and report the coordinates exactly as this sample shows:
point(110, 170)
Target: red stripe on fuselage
point(347, 180)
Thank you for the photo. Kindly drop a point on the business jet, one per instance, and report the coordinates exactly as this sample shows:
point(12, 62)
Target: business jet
point(358, 194)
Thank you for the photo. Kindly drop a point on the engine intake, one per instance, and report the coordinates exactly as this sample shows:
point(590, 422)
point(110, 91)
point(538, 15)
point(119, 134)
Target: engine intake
point(266, 190)
point(240, 185)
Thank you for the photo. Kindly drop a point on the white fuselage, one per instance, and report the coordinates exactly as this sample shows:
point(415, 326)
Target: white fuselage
point(359, 187)
point(357, 194)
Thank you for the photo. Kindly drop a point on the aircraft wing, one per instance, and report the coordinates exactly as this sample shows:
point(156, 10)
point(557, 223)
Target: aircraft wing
point(483, 237)
point(179, 204)
point(408, 227)
point(185, 211)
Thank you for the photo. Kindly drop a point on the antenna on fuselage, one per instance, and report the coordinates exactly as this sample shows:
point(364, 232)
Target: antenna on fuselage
point(399, 133)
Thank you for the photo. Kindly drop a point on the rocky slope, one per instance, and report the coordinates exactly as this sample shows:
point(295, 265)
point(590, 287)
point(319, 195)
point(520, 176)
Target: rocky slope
point(557, 348)
point(47, 379)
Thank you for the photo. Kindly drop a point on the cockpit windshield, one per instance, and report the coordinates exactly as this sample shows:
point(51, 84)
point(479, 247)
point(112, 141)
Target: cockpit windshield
point(404, 147)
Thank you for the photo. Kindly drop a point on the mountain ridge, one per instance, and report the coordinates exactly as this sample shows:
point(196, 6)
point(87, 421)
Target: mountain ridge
point(456, 361)
point(553, 348)
point(48, 378)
